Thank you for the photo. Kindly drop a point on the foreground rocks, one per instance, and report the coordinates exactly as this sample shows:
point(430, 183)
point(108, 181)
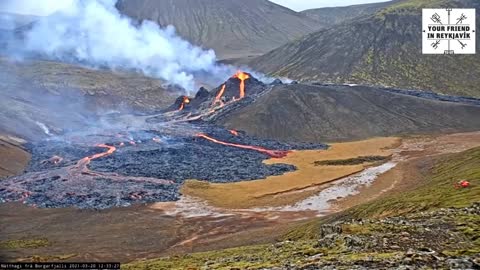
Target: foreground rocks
point(441, 239)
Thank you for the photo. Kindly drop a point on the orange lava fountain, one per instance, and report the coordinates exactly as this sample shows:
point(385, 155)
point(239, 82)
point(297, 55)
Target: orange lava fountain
point(271, 153)
point(242, 76)
point(186, 100)
point(218, 98)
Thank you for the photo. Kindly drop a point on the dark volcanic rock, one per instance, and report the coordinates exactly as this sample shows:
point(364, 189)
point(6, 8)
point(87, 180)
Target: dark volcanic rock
point(202, 94)
point(177, 104)
point(232, 87)
point(277, 82)
point(317, 113)
point(196, 158)
point(146, 166)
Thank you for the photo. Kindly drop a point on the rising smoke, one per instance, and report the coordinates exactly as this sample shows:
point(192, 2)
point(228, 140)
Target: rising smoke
point(93, 32)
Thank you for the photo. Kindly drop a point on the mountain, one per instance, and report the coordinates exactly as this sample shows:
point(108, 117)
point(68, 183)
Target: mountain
point(319, 113)
point(232, 28)
point(334, 15)
point(384, 48)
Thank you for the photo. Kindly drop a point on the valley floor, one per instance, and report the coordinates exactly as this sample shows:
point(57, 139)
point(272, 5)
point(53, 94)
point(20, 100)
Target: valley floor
point(152, 231)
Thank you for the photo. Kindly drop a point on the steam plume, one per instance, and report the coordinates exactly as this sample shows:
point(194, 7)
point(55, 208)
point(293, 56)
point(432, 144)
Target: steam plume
point(93, 32)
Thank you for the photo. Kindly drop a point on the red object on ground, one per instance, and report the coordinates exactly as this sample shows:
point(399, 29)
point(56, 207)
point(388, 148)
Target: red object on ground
point(462, 184)
point(465, 184)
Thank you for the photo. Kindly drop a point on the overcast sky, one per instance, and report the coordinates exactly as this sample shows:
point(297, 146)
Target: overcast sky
point(33, 7)
point(300, 5)
point(45, 7)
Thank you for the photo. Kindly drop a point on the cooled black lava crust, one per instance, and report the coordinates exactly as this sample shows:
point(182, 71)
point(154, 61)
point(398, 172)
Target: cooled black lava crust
point(176, 158)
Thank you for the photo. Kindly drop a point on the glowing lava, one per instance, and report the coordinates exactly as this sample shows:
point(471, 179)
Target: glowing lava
point(86, 160)
point(242, 76)
point(233, 132)
point(271, 153)
point(218, 98)
point(185, 101)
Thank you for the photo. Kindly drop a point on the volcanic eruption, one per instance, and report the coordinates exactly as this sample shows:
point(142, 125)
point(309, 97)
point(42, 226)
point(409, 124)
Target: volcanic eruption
point(146, 158)
point(218, 98)
point(185, 101)
point(242, 76)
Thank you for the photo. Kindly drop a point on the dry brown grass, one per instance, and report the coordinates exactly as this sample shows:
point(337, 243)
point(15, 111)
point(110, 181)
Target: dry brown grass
point(280, 190)
point(13, 159)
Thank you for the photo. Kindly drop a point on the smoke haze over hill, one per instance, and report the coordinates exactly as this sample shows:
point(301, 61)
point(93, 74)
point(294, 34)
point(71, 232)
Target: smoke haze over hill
point(94, 33)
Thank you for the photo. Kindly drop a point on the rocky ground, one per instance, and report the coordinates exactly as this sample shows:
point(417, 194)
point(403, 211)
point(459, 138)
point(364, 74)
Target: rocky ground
point(432, 224)
point(446, 238)
point(438, 239)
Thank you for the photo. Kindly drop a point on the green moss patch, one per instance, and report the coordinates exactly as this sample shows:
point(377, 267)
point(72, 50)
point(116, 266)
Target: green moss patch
point(350, 161)
point(28, 243)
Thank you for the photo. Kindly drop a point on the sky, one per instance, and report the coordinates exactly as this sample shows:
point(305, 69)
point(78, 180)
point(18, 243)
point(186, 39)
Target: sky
point(300, 5)
point(45, 7)
point(33, 7)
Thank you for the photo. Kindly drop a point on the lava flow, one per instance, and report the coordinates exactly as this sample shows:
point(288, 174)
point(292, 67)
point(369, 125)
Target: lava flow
point(62, 186)
point(86, 160)
point(218, 98)
point(271, 153)
point(242, 76)
point(185, 101)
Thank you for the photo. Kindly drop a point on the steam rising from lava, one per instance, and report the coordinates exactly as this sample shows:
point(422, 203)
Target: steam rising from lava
point(95, 33)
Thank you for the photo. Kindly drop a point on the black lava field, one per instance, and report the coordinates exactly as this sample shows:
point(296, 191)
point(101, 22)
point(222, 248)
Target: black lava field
point(145, 167)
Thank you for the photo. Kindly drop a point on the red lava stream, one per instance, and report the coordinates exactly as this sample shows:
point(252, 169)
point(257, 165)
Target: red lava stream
point(86, 160)
point(76, 175)
point(271, 153)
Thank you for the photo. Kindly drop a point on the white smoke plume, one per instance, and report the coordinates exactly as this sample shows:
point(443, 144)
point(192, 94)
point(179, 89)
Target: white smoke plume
point(95, 33)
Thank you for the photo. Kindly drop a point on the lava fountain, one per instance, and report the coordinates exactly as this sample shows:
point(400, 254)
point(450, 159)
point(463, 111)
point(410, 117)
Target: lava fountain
point(185, 101)
point(242, 76)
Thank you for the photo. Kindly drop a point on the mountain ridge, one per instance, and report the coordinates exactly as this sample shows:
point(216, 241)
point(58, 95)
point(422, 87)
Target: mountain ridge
point(380, 49)
point(231, 28)
point(329, 16)
point(330, 113)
